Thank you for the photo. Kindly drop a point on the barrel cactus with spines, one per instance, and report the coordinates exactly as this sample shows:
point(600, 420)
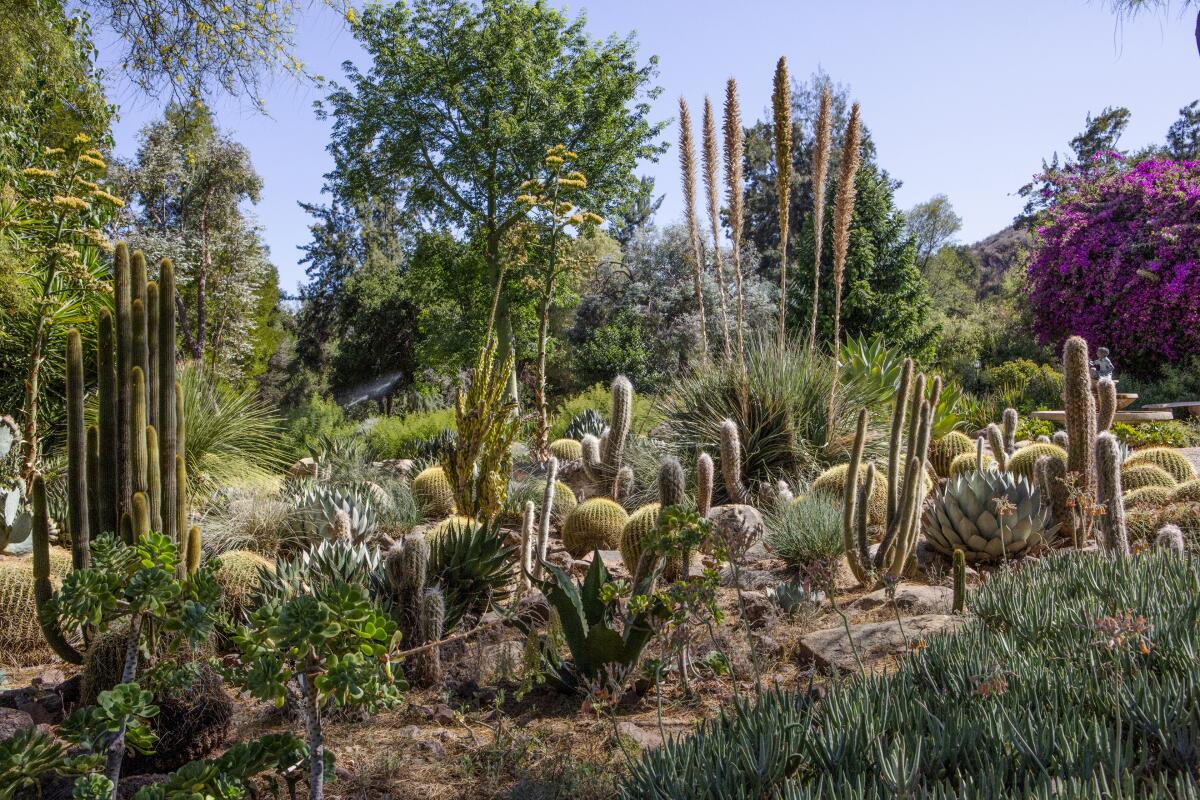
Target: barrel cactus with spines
point(1142, 523)
point(943, 451)
point(564, 502)
point(1135, 476)
point(21, 638)
point(1148, 497)
point(1187, 492)
point(1185, 515)
point(593, 524)
point(965, 516)
point(633, 536)
point(1023, 461)
point(566, 450)
point(968, 463)
point(450, 523)
point(832, 483)
point(1174, 462)
point(433, 493)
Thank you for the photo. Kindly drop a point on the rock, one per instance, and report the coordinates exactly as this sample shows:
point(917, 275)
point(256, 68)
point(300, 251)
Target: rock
point(49, 679)
point(433, 748)
point(12, 721)
point(579, 568)
point(741, 526)
point(644, 739)
point(304, 468)
point(756, 579)
point(398, 467)
point(911, 598)
point(760, 610)
point(831, 650)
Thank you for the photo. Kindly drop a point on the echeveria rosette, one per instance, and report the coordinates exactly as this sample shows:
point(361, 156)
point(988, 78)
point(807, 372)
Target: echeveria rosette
point(1117, 261)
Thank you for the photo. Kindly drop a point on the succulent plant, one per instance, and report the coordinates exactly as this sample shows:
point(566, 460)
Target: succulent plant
point(327, 507)
point(1175, 463)
point(474, 566)
point(965, 516)
point(564, 503)
point(1148, 497)
point(434, 495)
point(832, 483)
point(969, 462)
point(1136, 475)
point(587, 421)
point(566, 450)
point(943, 451)
point(1111, 524)
point(593, 524)
point(604, 456)
point(16, 522)
point(1023, 461)
point(1187, 492)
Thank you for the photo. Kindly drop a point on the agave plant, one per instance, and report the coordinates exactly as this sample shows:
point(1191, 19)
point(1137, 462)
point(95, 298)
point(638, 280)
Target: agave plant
point(322, 505)
point(588, 421)
point(474, 565)
point(872, 363)
point(989, 515)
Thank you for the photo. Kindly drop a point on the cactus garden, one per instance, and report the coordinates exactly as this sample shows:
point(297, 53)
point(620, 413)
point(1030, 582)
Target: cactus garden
point(625, 436)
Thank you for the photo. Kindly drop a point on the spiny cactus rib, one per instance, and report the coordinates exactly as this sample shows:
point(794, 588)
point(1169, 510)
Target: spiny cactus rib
point(107, 483)
point(152, 325)
point(140, 513)
point(93, 480)
point(137, 431)
point(1106, 403)
point(1115, 538)
point(1080, 408)
point(153, 479)
point(168, 422)
point(731, 463)
point(704, 484)
point(77, 485)
point(42, 588)
point(124, 331)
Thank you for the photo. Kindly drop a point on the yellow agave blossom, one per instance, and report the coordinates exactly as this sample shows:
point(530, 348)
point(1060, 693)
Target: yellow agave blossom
point(70, 202)
point(554, 161)
point(93, 161)
point(527, 199)
point(594, 219)
point(82, 138)
point(53, 151)
point(38, 172)
point(111, 199)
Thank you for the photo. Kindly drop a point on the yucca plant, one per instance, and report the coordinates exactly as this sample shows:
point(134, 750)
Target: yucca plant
point(230, 434)
point(783, 430)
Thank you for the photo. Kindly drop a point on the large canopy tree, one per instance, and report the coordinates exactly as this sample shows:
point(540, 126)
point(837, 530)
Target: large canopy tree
point(463, 100)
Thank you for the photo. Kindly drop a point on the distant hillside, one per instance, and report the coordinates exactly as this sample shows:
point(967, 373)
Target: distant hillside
point(999, 253)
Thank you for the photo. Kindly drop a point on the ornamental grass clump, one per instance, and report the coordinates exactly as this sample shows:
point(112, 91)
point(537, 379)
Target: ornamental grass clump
point(1073, 678)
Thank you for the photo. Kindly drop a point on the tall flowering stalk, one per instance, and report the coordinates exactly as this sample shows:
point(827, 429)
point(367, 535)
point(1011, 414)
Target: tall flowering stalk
point(552, 200)
point(55, 217)
point(843, 213)
point(735, 151)
point(781, 102)
point(687, 168)
point(824, 133)
point(1117, 260)
point(711, 160)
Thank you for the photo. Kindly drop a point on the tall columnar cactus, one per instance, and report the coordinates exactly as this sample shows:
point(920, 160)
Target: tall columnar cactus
point(672, 485)
point(407, 569)
point(168, 421)
point(1080, 407)
point(960, 581)
point(603, 458)
point(1061, 439)
point(996, 442)
point(107, 484)
point(77, 454)
point(1010, 420)
point(43, 589)
point(548, 495)
point(1115, 538)
point(704, 484)
point(1051, 474)
point(93, 487)
point(153, 478)
point(152, 325)
point(137, 430)
point(431, 623)
point(1106, 403)
point(122, 300)
point(906, 498)
point(731, 463)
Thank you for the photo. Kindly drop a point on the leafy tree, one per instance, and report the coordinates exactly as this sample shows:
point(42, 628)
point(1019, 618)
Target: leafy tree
point(187, 184)
point(931, 224)
point(1100, 134)
point(1183, 137)
point(1127, 9)
point(634, 215)
point(461, 104)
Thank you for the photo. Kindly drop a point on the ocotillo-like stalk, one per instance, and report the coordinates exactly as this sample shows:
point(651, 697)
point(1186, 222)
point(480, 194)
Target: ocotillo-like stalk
point(731, 463)
point(824, 135)
point(1108, 493)
point(122, 301)
point(107, 477)
point(93, 480)
point(167, 433)
point(77, 454)
point(152, 312)
point(704, 484)
point(1106, 403)
point(687, 168)
point(43, 589)
point(781, 103)
point(714, 215)
point(843, 213)
point(153, 478)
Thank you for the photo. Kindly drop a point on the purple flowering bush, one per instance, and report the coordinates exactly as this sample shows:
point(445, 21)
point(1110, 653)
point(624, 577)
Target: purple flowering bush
point(1117, 260)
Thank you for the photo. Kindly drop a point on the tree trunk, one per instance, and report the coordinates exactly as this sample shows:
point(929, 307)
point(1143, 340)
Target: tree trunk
point(315, 741)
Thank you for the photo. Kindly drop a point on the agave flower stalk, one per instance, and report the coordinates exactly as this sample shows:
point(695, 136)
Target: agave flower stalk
point(735, 151)
point(687, 168)
point(714, 215)
point(824, 129)
point(782, 105)
point(843, 213)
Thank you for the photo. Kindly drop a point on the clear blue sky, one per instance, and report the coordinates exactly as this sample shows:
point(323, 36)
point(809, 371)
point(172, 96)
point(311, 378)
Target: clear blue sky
point(963, 97)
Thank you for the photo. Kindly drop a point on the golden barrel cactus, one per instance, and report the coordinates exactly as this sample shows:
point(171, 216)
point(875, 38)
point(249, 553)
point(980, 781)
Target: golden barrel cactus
point(1023, 461)
point(1175, 463)
point(593, 524)
point(943, 451)
point(434, 495)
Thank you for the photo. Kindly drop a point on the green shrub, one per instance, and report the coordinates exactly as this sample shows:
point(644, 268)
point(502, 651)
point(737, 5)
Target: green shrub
point(1172, 433)
point(313, 422)
point(401, 437)
point(805, 531)
point(1075, 680)
point(1029, 429)
point(599, 398)
point(1039, 386)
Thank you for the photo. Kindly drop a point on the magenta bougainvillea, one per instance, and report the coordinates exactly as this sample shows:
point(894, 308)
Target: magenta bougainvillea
point(1117, 260)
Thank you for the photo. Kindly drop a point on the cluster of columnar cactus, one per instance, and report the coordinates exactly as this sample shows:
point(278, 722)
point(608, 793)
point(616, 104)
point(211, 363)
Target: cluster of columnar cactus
point(420, 608)
point(905, 495)
point(672, 491)
point(1111, 523)
point(731, 463)
point(604, 456)
point(126, 475)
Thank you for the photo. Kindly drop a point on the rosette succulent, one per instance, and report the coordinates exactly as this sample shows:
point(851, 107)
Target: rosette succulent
point(989, 515)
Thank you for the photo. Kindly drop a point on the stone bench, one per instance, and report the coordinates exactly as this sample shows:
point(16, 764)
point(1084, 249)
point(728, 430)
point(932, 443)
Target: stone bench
point(1131, 417)
point(1189, 408)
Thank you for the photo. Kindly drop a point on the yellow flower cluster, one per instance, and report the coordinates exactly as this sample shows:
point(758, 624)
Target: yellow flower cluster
point(100, 194)
point(70, 202)
point(93, 161)
point(38, 172)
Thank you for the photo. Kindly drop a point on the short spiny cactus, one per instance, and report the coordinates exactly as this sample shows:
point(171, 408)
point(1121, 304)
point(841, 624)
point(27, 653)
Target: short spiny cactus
point(238, 576)
point(1187, 492)
point(1024, 460)
point(731, 463)
point(1175, 463)
point(21, 639)
point(1106, 403)
point(969, 462)
point(943, 451)
point(604, 456)
point(564, 502)
point(832, 483)
point(1111, 524)
point(1008, 428)
point(1148, 497)
point(433, 493)
point(566, 450)
point(593, 524)
point(1136, 475)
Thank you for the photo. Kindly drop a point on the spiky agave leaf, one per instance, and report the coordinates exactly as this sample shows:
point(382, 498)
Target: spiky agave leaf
point(473, 564)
